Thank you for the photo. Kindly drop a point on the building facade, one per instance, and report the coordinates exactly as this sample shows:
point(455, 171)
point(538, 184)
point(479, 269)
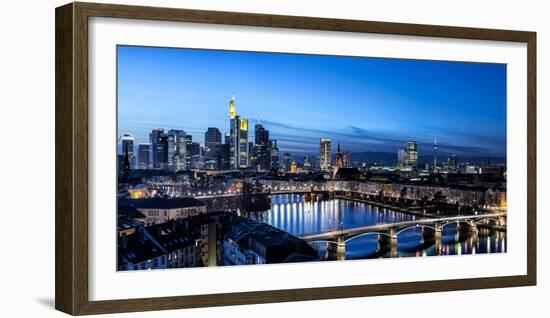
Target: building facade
point(324, 154)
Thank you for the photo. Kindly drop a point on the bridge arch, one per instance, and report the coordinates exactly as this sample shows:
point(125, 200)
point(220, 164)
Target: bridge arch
point(454, 222)
point(415, 227)
point(478, 221)
point(365, 234)
point(323, 241)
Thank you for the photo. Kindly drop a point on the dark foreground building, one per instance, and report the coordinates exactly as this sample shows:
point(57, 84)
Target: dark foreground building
point(250, 242)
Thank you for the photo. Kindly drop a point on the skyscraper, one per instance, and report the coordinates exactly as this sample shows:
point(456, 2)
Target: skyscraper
point(127, 144)
point(261, 145)
point(177, 150)
point(324, 154)
point(238, 128)
point(274, 151)
point(411, 153)
point(159, 148)
point(401, 156)
point(193, 154)
point(307, 163)
point(144, 156)
point(212, 148)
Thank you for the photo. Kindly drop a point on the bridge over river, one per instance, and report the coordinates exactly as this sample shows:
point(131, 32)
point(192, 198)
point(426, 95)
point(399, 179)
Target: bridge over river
point(388, 232)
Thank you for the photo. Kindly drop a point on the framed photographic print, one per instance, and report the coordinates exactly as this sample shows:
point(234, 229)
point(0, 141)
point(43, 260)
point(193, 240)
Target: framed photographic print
point(211, 158)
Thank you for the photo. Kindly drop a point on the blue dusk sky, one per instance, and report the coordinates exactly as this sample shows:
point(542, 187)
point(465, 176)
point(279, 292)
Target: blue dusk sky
point(366, 104)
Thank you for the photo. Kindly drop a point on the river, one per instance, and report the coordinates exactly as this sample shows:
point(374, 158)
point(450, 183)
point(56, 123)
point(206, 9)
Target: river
point(293, 214)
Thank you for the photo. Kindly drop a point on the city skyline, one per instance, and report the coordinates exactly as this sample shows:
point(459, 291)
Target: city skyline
point(193, 108)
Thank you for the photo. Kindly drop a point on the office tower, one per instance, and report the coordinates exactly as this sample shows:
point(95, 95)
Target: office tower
point(177, 150)
point(435, 152)
point(188, 142)
point(412, 153)
point(127, 144)
point(223, 159)
point(307, 163)
point(144, 156)
point(287, 161)
point(261, 147)
point(324, 154)
point(402, 157)
point(238, 128)
point(452, 162)
point(193, 154)
point(274, 152)
point(252, 155)
point(159, 148)
point(212, 148)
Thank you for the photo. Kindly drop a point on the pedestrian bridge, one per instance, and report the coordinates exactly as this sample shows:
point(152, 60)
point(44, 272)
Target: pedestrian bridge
point(388, 232)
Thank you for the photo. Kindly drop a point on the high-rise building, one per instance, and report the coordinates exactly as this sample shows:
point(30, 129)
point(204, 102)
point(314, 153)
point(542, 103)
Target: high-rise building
point(127, 144)
point(238, 128)
point(193, 154)
point(177, 150)
point(159, 148)
point(252, 155)
point(402, 157)
point(261, 147)
point(223, 161)
point(324, 154)
point(307, 163)
point(212, 148)
point(287, 161)
point(412, 153)
point(452, 162)
point(188, 142)
point(274, 152)
point(144, 156)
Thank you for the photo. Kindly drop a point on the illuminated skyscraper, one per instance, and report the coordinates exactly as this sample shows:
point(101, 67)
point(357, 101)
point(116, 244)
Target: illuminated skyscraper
point(238, 128)
point(274, 151)
point(144, 156)
point(177, 150)
point(159, 148)
point(412, 153)
point(324, 154)
point(402, 157)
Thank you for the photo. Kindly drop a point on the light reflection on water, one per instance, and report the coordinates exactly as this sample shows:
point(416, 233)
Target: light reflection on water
point(291, 213)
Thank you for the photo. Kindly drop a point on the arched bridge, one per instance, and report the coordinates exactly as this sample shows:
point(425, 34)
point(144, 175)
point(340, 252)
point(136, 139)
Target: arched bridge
point(390, 231)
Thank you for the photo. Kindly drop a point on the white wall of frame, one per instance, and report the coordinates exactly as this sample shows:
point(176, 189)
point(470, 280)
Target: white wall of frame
point(27, 124)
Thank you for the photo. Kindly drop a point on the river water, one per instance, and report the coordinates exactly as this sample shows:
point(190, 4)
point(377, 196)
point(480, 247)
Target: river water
point(293, 214)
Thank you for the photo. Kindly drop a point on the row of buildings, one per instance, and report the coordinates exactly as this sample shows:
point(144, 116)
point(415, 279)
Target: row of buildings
point(174, 233)
point(175, 150)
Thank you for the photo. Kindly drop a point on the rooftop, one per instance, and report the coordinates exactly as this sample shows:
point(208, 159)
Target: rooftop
point(161, 203)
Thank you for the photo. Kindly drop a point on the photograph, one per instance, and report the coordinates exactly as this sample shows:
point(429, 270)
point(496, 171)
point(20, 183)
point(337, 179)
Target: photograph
point(241, 158)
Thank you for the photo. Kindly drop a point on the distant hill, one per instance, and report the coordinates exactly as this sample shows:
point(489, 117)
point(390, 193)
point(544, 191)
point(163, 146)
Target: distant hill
point(388, 158)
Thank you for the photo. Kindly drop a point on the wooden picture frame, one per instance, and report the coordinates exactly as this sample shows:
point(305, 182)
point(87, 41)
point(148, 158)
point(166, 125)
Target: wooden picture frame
point(71, 90)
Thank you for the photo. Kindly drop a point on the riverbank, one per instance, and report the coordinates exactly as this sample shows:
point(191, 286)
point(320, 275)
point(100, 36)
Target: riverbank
point(387, 206)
